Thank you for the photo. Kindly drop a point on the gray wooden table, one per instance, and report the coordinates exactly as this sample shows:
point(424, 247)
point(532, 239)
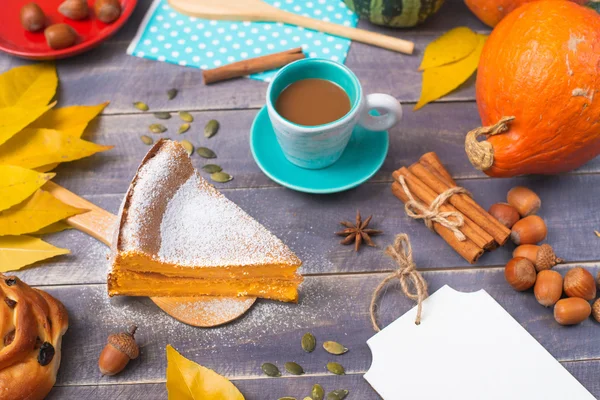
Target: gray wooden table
point(339, 283)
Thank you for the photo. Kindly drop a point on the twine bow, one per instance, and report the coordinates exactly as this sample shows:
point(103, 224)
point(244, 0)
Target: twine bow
point(417, 210)
point(401, 253)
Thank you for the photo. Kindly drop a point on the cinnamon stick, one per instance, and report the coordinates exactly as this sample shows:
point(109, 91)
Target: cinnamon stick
point(252, 66)
point(433, 163)
point(467, 249)
point(468, 208)
point(426, 195)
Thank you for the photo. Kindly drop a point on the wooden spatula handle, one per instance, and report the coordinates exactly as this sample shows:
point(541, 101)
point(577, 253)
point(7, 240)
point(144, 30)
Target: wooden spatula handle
point(360, 35)
point(97, 223)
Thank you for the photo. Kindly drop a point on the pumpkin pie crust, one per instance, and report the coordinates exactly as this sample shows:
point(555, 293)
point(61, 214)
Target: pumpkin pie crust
point(178, 236)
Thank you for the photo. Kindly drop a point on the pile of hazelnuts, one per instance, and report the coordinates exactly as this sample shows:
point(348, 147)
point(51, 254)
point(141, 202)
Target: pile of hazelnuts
point(531, 264)
point(60, 36)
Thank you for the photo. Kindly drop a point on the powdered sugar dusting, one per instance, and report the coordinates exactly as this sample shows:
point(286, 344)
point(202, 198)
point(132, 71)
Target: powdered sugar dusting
point(202, 227)
point(211, 311)
point(150, 178)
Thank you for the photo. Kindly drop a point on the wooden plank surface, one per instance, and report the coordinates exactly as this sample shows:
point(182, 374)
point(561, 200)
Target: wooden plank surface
point(331, 307)
point(255, 389)
point(437, 127)
point(335, 296)
point(307, 223)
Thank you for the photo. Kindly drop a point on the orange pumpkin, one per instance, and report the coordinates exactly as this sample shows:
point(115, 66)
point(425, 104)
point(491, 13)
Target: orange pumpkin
point(538, 87)
point(490, 12)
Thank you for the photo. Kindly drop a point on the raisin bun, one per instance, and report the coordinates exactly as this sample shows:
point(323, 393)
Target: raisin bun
point(32, 324)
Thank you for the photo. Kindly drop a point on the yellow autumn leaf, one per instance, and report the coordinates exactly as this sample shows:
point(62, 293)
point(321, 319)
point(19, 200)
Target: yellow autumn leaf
point(53, 228)
point(187, 380)
point(69, 120)
point(14, 119)
point(17, 184)
point(452, 46)
point(33, 148)
point(29, 86)
point(17, 252)
point(440, 81)
point(35, 213)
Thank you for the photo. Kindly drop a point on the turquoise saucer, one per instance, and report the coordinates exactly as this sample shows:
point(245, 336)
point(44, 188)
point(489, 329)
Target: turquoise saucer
point(362, 158)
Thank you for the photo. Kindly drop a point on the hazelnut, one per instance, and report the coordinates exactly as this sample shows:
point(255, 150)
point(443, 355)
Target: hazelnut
point(60, 36)
point(118, 351)
point(596, 310)
point(32, 17)
point(571, 311)
point(107, 11)
point(520, 273)
point(506, 214)
point(580, 283)
point(548, 287)
point(529, 230)
point(524, 200)
point(543, 257)
point(74, 9)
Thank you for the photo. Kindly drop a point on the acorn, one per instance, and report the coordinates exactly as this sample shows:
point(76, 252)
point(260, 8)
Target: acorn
point(543, 257)
point(548, 287)
point(118, 351)
point(596, 310)
point(529, 230)
point(60, 36)
point(524, 200)
point(107, 11)
point(32, 17)
point(74, 9)
point(571, 311)
point(506, 214)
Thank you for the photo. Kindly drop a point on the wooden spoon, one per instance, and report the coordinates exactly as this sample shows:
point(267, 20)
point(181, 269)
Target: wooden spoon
point(258, 10)
point(202, 311)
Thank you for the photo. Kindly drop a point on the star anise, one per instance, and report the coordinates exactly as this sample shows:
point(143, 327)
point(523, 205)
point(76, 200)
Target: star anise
point(358, 232)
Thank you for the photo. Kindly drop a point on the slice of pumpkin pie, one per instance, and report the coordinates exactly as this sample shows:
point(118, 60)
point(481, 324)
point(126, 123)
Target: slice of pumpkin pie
point(178, 236)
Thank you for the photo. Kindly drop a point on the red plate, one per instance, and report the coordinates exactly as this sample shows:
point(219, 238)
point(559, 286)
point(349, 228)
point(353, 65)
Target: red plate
point(19, 42)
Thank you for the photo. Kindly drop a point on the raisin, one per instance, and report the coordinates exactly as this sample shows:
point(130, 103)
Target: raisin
point(10, 302)
point(10, 282)
point(8, 339)
point(46, 354)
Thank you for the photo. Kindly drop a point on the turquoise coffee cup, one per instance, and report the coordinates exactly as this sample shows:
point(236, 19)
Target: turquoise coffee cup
point(319, 146)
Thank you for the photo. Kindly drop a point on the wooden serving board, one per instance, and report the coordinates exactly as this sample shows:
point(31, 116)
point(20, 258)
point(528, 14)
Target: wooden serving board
point(202, 311)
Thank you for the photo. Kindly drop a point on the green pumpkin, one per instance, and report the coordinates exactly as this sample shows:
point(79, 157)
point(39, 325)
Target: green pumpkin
point(395, 13)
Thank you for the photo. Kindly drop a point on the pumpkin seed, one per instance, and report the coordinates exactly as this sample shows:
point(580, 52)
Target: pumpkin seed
point(293, 368)
point(335, 368)
point(141, 106)
point(189, 147)
point(334, 348)
point(317, 392)
point(158, 128)
point(287, 398)
point(186, 116)
point(308, 342)
point(339, 394)
point(307, 398)
point(184, 128)
point(270, 370)
point(211, 128)
point(212, 168)
point(162, 115)
point(206, 152)
point(147, 139)
point(221, 177)
point(172, 93)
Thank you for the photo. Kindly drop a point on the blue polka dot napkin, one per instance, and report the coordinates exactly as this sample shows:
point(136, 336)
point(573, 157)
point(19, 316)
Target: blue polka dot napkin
point(167, 35)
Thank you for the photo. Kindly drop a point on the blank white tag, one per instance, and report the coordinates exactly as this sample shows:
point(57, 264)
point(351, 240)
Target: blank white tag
point(469, 348)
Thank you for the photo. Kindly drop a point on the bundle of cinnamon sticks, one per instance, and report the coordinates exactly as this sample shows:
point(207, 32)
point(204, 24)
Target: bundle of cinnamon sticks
point(426, 180)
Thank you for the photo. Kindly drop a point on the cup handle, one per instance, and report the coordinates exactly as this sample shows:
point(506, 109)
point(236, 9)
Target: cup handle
point(385, 102)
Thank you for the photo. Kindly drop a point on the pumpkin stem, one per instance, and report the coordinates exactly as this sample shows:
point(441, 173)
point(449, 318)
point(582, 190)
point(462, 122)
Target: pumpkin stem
point(481, 154)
